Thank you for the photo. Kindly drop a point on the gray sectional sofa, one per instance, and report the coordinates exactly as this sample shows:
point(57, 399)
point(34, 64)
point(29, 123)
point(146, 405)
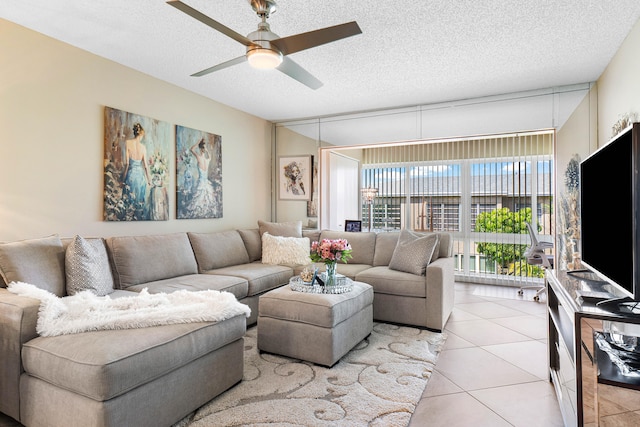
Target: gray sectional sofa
point(174, 369)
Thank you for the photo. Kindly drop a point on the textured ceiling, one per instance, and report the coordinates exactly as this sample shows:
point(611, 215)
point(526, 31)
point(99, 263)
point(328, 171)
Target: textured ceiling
point(411, 52)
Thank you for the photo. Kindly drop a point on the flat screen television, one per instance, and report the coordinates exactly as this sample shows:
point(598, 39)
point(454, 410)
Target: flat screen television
point(609, 213)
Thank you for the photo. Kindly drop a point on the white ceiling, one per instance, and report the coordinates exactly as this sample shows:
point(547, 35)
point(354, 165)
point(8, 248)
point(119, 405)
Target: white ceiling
point(410, 52)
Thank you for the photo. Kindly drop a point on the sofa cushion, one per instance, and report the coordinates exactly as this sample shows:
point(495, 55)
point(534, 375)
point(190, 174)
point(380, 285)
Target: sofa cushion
point(39, 262)
point(285, 229)
point(363, 244)
point(142, 259)
point(219, 249)
point(87, 267)
point(393, 282)
point(253, 243)
point(385, 245)
point(238, 286)
point(285, 250)
point(413, 252)
point(105, 364)
point(313, 235)
point(261, 277)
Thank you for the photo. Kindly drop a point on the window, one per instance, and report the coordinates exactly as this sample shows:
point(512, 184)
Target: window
point(452, 185)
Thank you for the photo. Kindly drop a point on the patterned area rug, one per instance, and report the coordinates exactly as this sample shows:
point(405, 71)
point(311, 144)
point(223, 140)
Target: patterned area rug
point(378, 383)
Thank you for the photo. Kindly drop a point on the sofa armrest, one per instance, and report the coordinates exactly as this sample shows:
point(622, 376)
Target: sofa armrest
point(18, 318)
point(440, 292)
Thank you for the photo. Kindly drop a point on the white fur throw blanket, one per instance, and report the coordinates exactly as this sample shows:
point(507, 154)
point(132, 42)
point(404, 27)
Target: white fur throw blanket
point(86, 311)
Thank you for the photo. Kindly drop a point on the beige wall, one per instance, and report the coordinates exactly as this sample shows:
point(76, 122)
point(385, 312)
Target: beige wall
point(619, 86)
point(52, 97)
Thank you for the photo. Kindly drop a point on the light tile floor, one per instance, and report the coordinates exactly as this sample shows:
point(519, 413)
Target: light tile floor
point(493, 368)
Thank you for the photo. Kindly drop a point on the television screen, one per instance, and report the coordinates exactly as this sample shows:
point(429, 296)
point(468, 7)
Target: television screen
point(608, 213)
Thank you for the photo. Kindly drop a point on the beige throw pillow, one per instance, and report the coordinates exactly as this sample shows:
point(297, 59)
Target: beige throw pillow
point(413, 252)
point(87, 267)
point(285, 250)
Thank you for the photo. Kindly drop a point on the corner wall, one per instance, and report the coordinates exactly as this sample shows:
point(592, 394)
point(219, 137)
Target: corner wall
point(619, 86)
point(52, 97)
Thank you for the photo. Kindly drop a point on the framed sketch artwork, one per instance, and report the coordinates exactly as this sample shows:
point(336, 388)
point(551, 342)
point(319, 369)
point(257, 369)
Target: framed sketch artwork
point(294, 177)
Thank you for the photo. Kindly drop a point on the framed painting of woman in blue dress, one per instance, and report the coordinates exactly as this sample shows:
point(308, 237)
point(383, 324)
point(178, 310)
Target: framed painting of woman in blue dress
point(198, 174)
point(136, 170)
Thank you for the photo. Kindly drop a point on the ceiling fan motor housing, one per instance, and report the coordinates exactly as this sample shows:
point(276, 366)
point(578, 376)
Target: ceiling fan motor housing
point(262, 38)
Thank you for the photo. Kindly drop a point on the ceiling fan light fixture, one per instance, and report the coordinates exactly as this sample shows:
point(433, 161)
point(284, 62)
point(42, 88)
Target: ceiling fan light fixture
point(264, 59)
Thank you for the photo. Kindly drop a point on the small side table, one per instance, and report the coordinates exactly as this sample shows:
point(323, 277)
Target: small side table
point(316, 327)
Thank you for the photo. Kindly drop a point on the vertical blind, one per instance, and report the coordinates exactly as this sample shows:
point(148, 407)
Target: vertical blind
point(448, 185)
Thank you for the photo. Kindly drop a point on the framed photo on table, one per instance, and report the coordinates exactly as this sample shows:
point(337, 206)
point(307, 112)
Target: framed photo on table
point(352, 225)
point(294, 177)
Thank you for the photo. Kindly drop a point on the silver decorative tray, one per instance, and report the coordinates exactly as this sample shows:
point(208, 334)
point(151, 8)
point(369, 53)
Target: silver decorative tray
point(344, 285)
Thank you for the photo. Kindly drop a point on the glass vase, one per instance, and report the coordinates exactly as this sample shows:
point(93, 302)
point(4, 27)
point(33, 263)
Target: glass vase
point(331, 274)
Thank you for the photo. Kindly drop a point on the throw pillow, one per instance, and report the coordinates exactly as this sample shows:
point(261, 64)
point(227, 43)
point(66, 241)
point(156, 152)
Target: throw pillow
point(87, 267)
point(413, 252)
point(39, 262)
point(284, 229)
point(285, 250)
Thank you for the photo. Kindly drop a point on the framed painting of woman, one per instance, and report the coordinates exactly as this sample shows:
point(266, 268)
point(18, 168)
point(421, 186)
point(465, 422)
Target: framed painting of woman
point(198, 174)
point(136, 173)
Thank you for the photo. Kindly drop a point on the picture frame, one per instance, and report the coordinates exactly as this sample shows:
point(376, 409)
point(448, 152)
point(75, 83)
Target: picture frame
point(198, 191)
point(136, 186)
point(352, 225)
point(295, 177)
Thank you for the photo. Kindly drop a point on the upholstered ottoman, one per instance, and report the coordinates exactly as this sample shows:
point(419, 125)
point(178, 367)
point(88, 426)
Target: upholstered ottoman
point(318, 328)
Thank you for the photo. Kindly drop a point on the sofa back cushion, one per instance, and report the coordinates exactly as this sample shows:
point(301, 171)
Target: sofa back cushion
point(252, 242)
point(284, 229)
point(363, 244)
point(142, 259)
point(219, 249)
point(313, 235)
point(39, 262)
point(386, 243)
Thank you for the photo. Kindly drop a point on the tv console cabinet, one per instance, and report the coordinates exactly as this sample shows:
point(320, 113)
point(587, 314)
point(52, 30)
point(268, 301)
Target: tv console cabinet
point(590, 388)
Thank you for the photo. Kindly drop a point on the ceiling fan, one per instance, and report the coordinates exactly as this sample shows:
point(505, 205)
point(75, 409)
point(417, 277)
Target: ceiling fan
point(266, 49)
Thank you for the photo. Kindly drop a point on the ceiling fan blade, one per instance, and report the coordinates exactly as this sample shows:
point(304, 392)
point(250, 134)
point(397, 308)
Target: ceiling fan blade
point(227, 64)
point(298, 42)
point(295, 71)
point(210, 22)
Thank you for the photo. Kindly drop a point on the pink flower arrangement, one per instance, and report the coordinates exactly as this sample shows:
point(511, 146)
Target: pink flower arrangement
point(330, 251)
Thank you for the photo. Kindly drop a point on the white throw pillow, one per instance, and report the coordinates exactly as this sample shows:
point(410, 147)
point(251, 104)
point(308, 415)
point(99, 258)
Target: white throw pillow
point(285, 250)
point(87, 267)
